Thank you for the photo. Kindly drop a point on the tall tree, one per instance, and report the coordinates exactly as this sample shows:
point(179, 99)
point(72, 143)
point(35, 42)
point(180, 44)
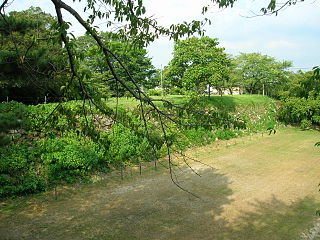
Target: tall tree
point(302, 85)
point(32, 59)
point(198, 62)
point(301, 99)
point(134, 58)
point(261, 73)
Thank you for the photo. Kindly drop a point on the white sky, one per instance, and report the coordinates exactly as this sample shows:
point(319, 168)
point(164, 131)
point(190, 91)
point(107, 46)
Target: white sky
point(292, 35)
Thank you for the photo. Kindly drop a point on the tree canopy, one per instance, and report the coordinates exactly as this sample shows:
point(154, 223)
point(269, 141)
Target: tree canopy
point(32, 59)
point(198, 62)
point(130, 21)
point(260, 73)
point(135, 59)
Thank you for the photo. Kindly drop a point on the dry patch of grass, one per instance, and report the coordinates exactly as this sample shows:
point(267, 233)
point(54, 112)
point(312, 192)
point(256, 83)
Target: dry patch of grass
point(263, 188)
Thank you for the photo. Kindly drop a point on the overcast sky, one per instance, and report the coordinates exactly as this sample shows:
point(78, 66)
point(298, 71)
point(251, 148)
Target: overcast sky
point(292, 35)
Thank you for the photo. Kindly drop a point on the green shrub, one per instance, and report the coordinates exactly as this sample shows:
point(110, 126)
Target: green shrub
point(126, 147)
point(225, 134)
point(20, 171)
point(199, 136)
point(40, 118)
point(305, 124)
point(295, 110)
point(177, 91)
point(69, 158)
point(155, 92)
point(30, 168)
point(11, 117)
point(21, 185)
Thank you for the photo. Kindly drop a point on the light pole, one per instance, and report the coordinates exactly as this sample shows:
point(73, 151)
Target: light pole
point(161, 81)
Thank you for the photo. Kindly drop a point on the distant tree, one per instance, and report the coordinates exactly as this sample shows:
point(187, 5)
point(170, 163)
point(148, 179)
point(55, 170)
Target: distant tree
point(137, 63)
point(155, 79)
point(301, 99)
point(302, 85)
point(198, 62)
point(129, 20)
point(32, 59)
point(261, 73)
point(234, 80)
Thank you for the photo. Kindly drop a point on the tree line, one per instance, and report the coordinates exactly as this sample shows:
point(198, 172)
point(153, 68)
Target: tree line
point(33, 64)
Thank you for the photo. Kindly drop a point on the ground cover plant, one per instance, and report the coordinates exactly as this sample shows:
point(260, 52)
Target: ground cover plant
point(258, 188)
point(68, 146)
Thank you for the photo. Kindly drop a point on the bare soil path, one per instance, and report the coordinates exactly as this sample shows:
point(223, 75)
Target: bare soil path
point(263, 188)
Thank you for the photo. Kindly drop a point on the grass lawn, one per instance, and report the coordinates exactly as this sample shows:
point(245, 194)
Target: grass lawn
point(228, 101)
point(259, 188)
point(130, 102)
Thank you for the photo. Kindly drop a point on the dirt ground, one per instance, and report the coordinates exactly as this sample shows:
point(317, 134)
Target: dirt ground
point(257, 188)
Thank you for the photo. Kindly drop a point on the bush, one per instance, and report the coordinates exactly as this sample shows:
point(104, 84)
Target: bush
point(11, 117)
point(155, 92)
point(65, 117)
point(199, 136)
point(30, 168)
point(126, 148)
point(305, 124)
point(69, 158)
point(177, 91)
point(225, 134)
point(20, 171)
point(300, 110)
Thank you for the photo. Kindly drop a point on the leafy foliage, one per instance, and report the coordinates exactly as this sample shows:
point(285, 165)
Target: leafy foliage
point(30, 168)
point(64, 147)
point(155, 92)
point(127, 148)
point(19, 172)
point(301, 102)
point(135, 59)
point(259, 73)
point(198, 62)
point(31, 56)
point(11, 117)
point(67, 158)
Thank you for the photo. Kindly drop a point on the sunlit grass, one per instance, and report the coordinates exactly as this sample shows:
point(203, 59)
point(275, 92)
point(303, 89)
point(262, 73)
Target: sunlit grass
point(227, 101)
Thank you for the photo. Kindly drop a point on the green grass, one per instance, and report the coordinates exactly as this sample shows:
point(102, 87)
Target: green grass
point(130, 102)
point(223, 102)
point(231, 103)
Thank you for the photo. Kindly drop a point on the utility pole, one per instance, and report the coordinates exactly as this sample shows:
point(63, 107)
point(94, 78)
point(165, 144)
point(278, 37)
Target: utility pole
point(161, 80)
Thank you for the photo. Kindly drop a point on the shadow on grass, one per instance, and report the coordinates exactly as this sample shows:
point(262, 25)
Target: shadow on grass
point(153, 208)
point(149, 207)
point(222, 103)
point(274, 219)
